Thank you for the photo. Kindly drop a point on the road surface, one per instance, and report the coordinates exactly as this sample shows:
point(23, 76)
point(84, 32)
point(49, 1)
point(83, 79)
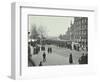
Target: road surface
point(59, 56)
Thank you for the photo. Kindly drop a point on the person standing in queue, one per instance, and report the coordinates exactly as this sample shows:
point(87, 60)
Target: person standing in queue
point(44, 57)
point(70, 59)
point(51, 50)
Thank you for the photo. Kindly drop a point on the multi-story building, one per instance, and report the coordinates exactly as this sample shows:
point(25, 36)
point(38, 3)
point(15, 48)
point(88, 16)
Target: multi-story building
point(78, 31)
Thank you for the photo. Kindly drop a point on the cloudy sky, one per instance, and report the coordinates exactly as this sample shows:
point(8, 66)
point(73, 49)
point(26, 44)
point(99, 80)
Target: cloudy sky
point(53, 25)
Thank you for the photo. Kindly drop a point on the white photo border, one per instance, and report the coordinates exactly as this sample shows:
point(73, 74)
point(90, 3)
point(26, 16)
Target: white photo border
point(19, 74)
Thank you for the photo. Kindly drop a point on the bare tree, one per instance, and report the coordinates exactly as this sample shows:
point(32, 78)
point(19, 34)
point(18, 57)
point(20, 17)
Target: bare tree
point(42, 32)
point(61, 36)
point(34, 32)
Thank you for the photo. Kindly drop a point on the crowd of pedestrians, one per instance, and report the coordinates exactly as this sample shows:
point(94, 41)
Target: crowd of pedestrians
point(37, 48)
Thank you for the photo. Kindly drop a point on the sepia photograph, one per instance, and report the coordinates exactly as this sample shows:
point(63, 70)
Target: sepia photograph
point(57, 40)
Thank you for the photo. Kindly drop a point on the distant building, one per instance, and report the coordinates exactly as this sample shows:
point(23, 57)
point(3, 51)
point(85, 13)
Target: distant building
point(78, 31)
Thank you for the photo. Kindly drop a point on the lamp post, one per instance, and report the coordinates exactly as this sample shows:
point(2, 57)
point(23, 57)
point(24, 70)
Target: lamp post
point(70, 36)
point(28, 35)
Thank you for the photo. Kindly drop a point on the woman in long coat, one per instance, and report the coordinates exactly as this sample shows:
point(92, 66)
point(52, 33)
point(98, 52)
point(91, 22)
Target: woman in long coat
point(70, 59)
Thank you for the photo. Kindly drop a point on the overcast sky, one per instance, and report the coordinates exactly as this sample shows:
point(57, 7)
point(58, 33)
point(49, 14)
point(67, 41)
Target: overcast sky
point(53, 25)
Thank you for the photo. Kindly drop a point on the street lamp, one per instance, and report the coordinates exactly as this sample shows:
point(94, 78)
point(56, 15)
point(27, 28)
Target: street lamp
point(28, 34)
point(70, 36)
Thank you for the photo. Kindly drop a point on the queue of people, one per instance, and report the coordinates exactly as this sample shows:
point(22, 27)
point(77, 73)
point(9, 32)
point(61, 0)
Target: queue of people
point(36, 50)
point(49, 50)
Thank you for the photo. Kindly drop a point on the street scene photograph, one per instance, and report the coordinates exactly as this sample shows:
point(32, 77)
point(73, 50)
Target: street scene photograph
point(57, 40)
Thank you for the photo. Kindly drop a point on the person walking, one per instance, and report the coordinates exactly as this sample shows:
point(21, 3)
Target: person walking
point(70, 59)
point(44, 57)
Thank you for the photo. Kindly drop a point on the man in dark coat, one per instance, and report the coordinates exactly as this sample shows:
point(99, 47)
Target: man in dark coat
point(44, 57)
point(70, 59)
point(48, 50)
